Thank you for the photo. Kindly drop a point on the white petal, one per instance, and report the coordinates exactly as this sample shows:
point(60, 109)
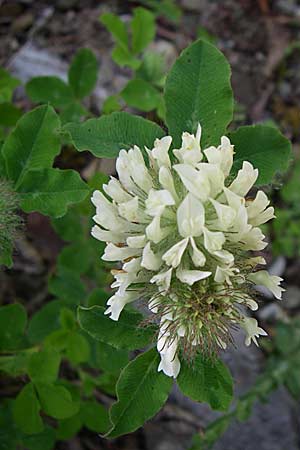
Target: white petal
point(162, 280)
point(263, 217)
point(223, 274)
point(190, 152)
point(223, 155)
point(226, 214)
point(254, 240)
point(150, 260)
point(167, 182)
point(224, 256)
point(173, 256)
point(258, 205)
point(114, 253)
point(213, 240)
point(129, 210)
point(115, 191)
point(191, 276)
point(190, 217)
point(107, 236)
point(160, 151)
point(271, 282)
point(197, 256)
point(136, 241)
point(234, 201)
point(214, 175)
point(154, 232)
point(117, 303)
point(123, 170)
point(138, 169)
point(195, 182)
point(157, 201)
point(253, 331)
point(245, 179)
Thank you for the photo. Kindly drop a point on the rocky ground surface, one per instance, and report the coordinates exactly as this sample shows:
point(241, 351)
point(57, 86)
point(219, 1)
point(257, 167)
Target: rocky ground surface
point(40, 38)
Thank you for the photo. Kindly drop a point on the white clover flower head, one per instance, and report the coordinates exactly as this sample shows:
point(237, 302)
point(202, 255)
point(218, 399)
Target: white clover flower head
point(182, 229)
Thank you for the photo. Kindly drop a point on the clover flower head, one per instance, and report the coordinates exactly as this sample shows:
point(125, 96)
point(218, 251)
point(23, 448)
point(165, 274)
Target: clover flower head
point(182, 228)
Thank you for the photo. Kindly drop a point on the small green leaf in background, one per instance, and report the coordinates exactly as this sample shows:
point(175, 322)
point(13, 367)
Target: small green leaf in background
point(67, 319)
point(67, 286)
point(26, 411)
point(290, 190)
point(74, 112)
point(108, 358)
point(67, 428)
point(141, 95)
point(106, 136)
point(206, 380)
point(116, 27)
point(111, 104)
point(13, 320)
point(152, 69)
point(51, 191)
point(43, 366)
point(83, 73)
point(94, 416)
point(143, 29)
point(126, 333)
point(8, 84)
point(41, 441)
point(33, 144)
point(56, 401)
point(68, 227)
point(265, 147)
point(77, 348)
point(141, 392)
point(197, 90)
point(9, 114)
point(49, 90)
point(44, 322)
point(75, 257)
point(16, 364)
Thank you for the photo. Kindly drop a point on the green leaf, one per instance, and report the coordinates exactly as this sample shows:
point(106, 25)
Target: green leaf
point(265, 147)
point(49, 89)
point(123, 57)
point(44, 322)
point(77, 349)
point(9, 114)
point(73, 112)
point(15, 365)
point(6, 255)
point(141, 392)
point(41, 441)
point(206, 380)
point(26, 411)
point(111, 104)
point(108, 358)
point(51, 191)
point(7, 85)
point(83, 73)
point(13, 319)
point(33, 144)
point(67, 428)
point(198, 90)
point(67, 286)
point(127, 333)
point(56, 401)
point(94, 416)
point(116, 27)
point(143, 29)
point(67, 319)
point(153, 68)
point(68, 227)
point(76, 257)
point(43, 366)
point(290, 190)
point(106, 136)
point(141, 95)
